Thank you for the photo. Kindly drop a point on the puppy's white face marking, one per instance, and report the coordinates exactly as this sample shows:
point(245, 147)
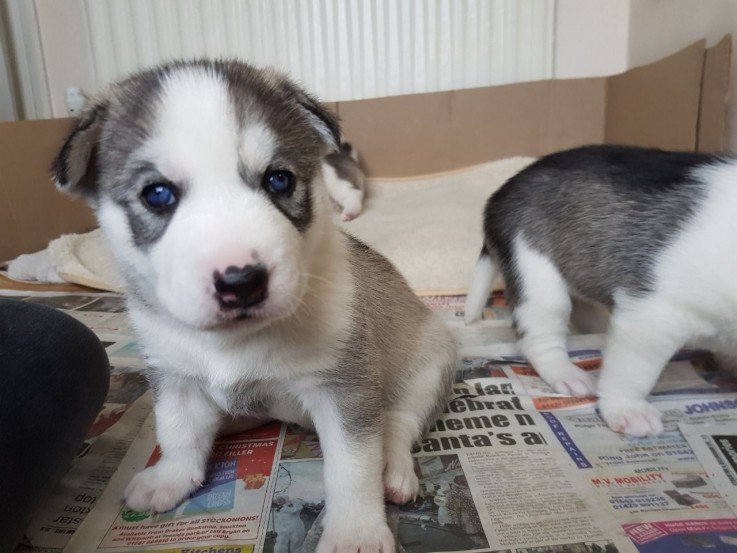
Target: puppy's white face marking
point(257, 146)
point(220, 220)
point(196, 128)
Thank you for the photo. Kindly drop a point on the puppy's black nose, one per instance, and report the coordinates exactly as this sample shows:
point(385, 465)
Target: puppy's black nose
point(241, 286)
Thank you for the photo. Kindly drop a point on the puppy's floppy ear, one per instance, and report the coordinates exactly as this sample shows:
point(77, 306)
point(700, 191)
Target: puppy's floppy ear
point(322, 120)
point(75, 167)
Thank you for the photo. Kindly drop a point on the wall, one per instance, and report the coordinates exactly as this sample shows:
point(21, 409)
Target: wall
point(605, 37)
point(339, 49)
point(661, 26)
point(591, 38)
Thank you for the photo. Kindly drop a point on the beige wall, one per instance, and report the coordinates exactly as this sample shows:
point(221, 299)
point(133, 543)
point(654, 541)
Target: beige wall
point(658, 27)
point(605, 37)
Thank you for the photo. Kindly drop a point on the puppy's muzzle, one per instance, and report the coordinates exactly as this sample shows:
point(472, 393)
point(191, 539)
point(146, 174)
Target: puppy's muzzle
point(241, 287)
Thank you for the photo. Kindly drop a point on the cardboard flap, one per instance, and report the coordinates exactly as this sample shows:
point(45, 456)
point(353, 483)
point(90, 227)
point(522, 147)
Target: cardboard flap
point(657, 104)
point(420, 134)
point(32, 211)
point(712, 128)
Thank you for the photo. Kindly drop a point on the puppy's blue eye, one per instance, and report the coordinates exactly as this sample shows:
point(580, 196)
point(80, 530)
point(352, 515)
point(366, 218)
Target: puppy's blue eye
point(279, 182)
point(159, 195)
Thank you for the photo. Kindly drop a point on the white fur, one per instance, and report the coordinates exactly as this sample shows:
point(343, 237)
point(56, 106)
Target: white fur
point(695, 301)
point(348, 198)
point(257, 146)
point(186, 424)
point(479, 289)
point(349, 525)
point(542, 318)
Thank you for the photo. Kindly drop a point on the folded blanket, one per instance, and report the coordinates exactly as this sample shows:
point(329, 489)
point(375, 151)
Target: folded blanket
point(78, 258)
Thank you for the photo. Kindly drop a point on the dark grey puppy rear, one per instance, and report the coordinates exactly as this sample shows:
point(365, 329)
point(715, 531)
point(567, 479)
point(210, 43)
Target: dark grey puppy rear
point(595, 223)
point(601, 213)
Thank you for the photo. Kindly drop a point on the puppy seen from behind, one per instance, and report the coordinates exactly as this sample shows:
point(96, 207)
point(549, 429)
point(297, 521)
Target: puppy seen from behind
point(648, 233)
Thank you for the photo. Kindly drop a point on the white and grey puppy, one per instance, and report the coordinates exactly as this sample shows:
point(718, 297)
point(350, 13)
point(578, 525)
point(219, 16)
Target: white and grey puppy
point(247, 300)
point(649, 233)
point(345, 180)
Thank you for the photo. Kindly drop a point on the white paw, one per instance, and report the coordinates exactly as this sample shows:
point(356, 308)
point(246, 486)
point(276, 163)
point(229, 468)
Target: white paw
point(353, 535)
point(636, 418)
point(400, 481)
point(571, 381)
point(162, 487)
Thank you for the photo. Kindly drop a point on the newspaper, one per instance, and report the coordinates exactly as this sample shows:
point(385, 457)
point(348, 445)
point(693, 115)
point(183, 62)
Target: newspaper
point(715, 446)
point(510, 466)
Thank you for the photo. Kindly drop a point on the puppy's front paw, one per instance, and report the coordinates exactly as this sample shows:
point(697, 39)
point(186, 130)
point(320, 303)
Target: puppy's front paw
point(636, 418)
point(162, 487)
point(400, 481)
point(571, 381)
point(354, 536)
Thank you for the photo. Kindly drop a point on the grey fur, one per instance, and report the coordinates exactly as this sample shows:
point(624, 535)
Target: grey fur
point(388, 331)
point(600, 213)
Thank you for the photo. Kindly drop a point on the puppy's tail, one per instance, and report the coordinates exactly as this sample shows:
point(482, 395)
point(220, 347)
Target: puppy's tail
point(480, 286)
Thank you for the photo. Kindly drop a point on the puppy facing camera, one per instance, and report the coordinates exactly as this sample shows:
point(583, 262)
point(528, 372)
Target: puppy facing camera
point(647, 233)
point(208, 180)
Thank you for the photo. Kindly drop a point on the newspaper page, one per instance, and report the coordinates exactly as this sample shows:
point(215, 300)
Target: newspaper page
point(510, 466)
point(229, 512)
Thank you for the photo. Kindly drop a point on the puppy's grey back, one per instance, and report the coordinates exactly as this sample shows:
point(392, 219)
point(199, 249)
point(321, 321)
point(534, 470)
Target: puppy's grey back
point(600, 213)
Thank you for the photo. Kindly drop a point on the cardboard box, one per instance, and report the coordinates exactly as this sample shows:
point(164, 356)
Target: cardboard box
point(677, 103)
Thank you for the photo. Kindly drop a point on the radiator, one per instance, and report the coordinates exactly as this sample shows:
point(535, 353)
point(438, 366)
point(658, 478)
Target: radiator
point(339, 49)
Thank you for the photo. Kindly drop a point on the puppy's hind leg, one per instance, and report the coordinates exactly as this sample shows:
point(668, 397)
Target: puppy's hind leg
point(424, 397)
point(643, 336)
point(542, 314)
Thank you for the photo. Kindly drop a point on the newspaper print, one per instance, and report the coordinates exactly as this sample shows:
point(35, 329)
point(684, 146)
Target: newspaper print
point(715, 446)
point(510, 466)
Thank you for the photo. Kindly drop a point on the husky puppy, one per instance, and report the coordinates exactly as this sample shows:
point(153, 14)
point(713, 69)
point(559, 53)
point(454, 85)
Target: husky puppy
point(247, 301)
point(649, 233)
point(345, 180)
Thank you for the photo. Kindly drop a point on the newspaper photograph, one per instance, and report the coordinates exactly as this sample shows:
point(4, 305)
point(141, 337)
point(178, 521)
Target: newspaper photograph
point(715, 446)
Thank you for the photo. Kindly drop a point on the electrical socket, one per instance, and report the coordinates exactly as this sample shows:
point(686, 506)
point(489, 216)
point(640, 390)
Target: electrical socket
point(75, 100)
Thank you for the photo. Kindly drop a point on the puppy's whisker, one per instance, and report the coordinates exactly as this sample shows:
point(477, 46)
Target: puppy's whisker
point(316, 277)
